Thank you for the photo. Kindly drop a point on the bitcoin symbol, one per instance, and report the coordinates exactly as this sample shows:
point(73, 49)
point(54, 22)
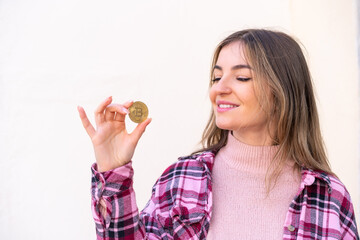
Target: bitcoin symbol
point(138, 112)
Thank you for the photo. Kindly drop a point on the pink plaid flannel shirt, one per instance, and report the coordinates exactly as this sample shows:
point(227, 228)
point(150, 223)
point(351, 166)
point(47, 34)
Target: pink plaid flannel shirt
point(181, 204)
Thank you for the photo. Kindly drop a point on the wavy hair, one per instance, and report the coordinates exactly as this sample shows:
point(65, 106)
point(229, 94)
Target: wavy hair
point(278, 64)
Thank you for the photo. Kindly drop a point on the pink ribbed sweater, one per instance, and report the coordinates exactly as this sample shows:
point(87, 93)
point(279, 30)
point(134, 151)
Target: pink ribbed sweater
point(241, 207)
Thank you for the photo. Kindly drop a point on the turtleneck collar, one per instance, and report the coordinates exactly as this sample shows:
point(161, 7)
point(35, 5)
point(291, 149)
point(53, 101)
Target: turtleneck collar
point(241, 156)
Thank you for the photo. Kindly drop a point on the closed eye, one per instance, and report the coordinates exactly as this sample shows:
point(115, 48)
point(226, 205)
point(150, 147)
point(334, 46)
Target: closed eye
point(243, 79)
point(215, 80)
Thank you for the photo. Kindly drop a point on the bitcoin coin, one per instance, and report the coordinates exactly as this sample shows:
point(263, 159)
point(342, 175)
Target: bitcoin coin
point(138, 112)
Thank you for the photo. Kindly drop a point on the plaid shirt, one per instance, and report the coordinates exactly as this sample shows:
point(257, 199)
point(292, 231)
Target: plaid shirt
point(181, 205)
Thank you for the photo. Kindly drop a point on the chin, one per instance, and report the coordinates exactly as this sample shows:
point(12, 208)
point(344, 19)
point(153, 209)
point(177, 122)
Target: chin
point(223, 125)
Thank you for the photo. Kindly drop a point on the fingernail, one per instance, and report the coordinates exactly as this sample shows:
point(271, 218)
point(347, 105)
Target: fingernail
point(126, 110)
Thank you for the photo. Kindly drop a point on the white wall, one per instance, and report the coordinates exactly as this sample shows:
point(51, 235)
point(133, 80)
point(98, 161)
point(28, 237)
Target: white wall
point(55, 55)
point(328, 29)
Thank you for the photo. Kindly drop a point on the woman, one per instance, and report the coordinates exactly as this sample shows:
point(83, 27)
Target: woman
point(262, 174)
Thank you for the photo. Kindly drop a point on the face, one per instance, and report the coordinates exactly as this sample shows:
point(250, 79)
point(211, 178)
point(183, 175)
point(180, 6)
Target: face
point(234, 99)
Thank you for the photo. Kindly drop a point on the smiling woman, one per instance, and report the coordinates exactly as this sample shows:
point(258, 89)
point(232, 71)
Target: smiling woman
point(235, 102)
point(262, 164)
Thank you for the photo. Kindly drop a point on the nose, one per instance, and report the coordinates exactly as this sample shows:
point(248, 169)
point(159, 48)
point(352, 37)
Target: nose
point(222, 86)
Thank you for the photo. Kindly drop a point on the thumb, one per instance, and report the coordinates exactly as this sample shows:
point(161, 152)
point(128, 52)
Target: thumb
point(140, 129)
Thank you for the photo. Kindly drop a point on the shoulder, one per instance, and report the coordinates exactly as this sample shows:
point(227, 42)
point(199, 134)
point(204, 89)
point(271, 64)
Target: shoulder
point(337, 187)
point(326, 196)
point(329, 193)
point(181, 196)
point(189, 176)
point(341, 197)
point(340, 202)
point(184, 183)
point(326, 184)
point(196, 165)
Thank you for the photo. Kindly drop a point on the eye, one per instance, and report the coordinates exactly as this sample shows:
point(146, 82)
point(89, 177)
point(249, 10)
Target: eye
point(243, 79)
point(216, 79)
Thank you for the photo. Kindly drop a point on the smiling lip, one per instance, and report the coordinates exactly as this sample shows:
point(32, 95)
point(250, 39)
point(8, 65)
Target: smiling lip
point(224, 106)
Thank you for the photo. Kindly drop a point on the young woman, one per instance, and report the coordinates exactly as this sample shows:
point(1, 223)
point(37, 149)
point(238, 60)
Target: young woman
point(262, 174)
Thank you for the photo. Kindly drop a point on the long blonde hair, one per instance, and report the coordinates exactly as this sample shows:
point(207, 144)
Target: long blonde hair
point(279, 64)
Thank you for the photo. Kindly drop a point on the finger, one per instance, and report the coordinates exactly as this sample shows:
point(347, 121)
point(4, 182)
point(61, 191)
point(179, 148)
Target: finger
point(120, 111)
point(109, 115)
point(117, 108)
point(86, 123)
point(119, 116)
point(99, 112)
point(140, 129)
point(128, 104)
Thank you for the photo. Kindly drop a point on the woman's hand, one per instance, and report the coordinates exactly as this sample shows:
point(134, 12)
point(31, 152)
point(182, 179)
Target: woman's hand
point(113, 145)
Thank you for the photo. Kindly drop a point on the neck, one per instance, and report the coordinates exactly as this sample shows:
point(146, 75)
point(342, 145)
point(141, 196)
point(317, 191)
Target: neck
point(260, 137)
point(249, 158)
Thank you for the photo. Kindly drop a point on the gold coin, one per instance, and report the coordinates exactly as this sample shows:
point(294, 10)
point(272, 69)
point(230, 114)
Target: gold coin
point(138, 112)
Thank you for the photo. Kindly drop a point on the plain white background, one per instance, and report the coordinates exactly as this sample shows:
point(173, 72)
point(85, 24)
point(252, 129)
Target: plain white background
point(55, 55)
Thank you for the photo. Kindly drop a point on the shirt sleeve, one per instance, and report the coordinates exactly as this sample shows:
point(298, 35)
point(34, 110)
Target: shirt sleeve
point(114, 189)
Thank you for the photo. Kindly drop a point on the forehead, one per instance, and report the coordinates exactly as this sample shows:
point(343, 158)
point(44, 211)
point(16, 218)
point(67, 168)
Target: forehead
point(232, 54)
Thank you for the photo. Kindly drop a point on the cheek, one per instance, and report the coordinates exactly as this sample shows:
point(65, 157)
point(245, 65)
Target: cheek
point(212, 95)
point(249, 97)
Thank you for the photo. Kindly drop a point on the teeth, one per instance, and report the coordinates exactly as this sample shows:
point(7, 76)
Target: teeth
point(226, 106)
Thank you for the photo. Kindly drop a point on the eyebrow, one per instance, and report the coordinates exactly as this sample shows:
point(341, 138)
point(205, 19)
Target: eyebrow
point(240, 66)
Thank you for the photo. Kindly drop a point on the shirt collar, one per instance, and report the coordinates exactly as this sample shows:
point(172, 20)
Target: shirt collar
point(308, 176)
